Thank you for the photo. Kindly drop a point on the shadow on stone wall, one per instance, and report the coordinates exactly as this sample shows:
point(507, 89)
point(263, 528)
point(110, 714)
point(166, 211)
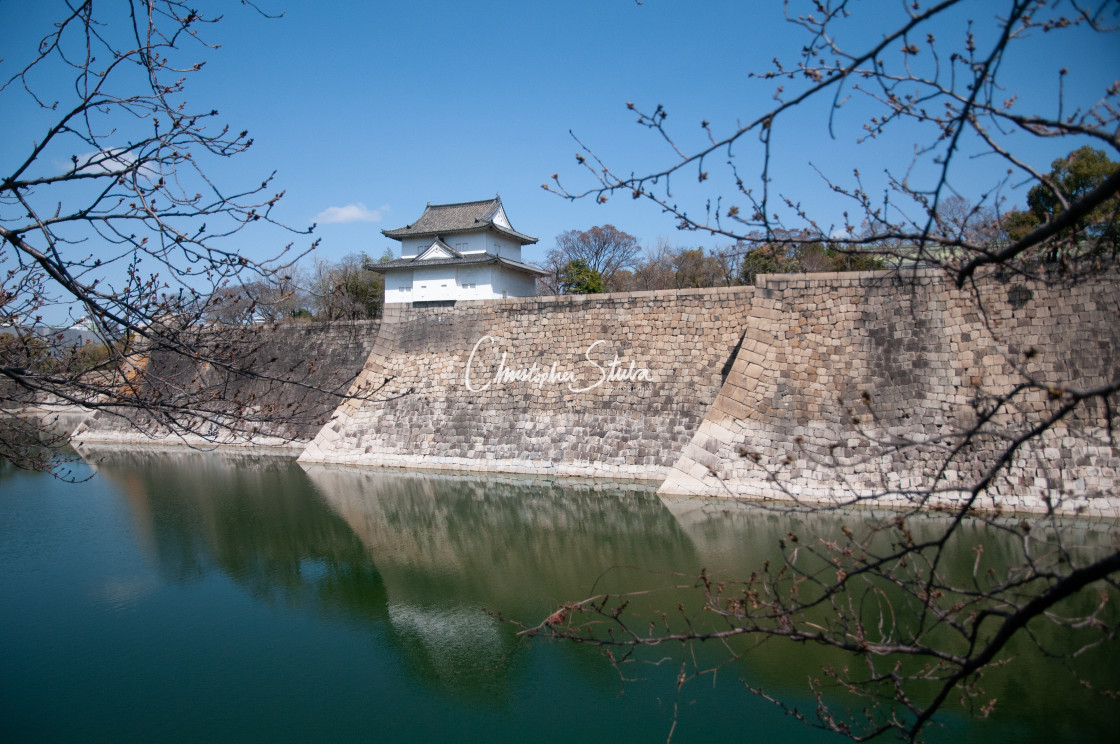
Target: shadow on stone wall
point(273, 384)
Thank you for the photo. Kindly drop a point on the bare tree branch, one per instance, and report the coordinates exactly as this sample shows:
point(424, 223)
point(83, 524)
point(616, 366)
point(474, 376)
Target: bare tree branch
point(887, 591)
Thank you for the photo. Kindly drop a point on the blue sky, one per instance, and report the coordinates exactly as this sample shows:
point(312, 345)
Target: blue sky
point(371, 109)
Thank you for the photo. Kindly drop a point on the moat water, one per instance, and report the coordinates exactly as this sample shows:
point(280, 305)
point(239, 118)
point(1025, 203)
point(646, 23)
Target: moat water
point(191, 597)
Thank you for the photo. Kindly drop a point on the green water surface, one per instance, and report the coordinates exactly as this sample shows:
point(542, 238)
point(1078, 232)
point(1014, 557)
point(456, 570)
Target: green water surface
point(190, 597)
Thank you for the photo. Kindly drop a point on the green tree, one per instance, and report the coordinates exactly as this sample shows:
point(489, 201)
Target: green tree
point(1070, 181)
point(1071, 178)
point(578, 278)
point(768, 258)
point(1017, 224)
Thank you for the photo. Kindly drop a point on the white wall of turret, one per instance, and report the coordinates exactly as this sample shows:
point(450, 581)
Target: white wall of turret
point(453, 283)
point(471, 243)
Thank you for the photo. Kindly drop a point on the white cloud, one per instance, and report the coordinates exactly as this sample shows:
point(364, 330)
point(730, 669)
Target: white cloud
point(352, 213)
point(110, 161)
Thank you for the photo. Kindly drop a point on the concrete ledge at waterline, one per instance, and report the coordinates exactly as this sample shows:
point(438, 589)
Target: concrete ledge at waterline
point(289, 451)
point(611, 485)
point(537, 468)
point(686, 485)
point(81, 438)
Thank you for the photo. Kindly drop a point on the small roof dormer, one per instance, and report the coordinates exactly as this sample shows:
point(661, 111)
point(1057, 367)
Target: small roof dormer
point(438, 249)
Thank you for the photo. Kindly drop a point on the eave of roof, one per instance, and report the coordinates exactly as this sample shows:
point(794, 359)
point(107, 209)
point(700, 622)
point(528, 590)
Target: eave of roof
point(479, 259)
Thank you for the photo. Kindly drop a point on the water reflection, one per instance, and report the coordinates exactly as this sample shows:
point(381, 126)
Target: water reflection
point(415, 557)
point(518, 546)
point(1036, 698)
point(37, 440)
point(420, 556)
point(249, 517)
point(448, 546)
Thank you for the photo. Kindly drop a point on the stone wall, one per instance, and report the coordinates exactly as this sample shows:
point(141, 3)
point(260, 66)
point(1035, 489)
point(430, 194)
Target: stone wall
point(825, 388)
point(561, 408)
point(851, 386)
point(295, 375)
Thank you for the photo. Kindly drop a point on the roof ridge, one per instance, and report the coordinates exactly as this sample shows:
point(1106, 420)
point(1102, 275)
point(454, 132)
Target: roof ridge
point(466, 203)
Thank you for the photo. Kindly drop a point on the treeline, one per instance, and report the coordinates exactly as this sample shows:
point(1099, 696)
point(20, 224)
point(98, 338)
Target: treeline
point(347, 289)
point(606, 259)
point(49, 350)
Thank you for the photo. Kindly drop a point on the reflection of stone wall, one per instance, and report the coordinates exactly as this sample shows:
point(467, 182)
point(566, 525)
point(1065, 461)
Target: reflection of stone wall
point(448, 545)
point(633, 427)
point(298, 373)
point(455, 540)
point(929, 363)
point(254, 518)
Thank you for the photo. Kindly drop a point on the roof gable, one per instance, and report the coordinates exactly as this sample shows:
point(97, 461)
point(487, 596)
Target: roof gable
point(438, 249)
point(499, 218)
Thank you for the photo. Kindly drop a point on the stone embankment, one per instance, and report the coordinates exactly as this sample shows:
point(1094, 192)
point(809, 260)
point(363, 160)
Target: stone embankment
point(600, 385)
point(295, 376)
point(838, 388)
point(902, 389)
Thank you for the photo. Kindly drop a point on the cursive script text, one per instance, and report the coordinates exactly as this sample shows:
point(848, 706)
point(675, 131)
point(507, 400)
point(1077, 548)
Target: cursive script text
point(541, 374)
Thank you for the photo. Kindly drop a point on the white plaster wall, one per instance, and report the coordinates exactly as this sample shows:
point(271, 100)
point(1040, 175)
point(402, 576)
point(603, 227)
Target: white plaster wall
point(481, 279)
point(398, 286)
point(501, 219)
point(433, 283)
point(479, 242)
point(436, 283)
point(514, 283)
point(467, 243)
point(450, 283)
point(412, 247)
point(463, 243)
point(498, 246)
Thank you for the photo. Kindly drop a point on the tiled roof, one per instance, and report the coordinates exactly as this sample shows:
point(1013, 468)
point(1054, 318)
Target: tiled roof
point(476, 259)
point(445, 219)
